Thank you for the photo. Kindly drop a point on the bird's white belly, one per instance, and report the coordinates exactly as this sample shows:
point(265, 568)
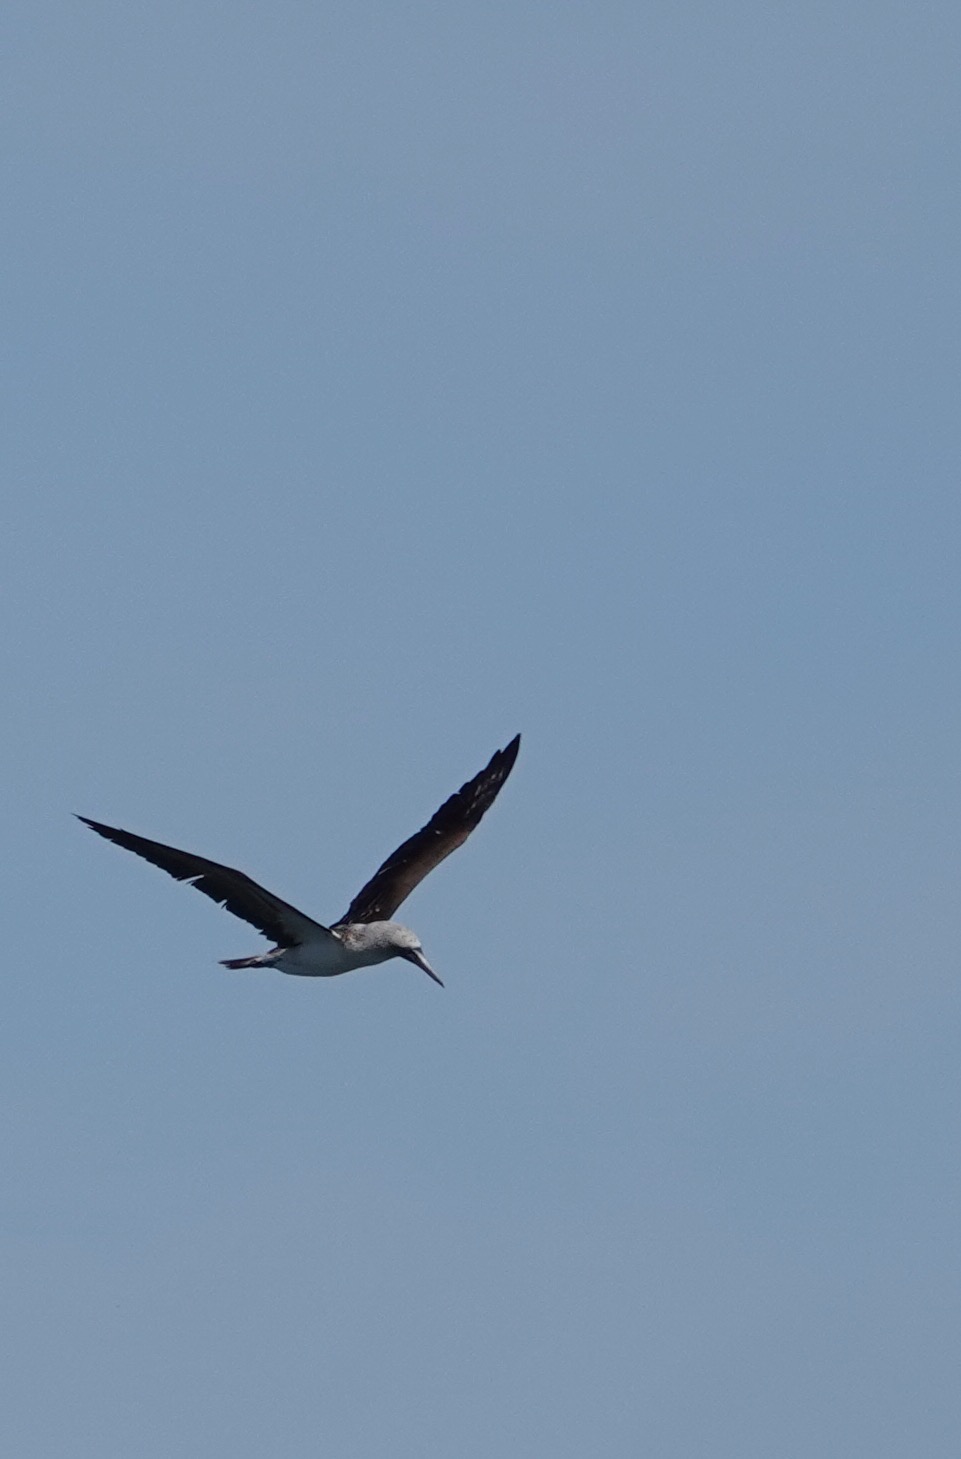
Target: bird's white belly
point(317, 960)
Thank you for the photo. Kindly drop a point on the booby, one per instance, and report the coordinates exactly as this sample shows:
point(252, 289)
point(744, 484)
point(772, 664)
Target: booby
point(365, 935)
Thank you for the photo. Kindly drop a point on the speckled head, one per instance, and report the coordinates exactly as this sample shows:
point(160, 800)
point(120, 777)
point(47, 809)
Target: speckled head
point(378, 941)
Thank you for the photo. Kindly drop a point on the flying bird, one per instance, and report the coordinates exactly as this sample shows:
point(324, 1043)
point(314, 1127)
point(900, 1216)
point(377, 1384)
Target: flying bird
point(365, 935)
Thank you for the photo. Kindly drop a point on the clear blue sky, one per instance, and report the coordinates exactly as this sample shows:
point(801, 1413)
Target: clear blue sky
point(379, 380)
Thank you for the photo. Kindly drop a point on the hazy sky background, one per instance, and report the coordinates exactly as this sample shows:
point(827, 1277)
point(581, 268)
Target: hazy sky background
point(380, 380)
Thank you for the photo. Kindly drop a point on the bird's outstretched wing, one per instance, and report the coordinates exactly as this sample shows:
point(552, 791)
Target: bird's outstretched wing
point(232, 889)
point(447, 829)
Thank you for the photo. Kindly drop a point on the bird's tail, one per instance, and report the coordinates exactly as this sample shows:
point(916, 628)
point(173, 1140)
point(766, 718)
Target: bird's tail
point(263, 960)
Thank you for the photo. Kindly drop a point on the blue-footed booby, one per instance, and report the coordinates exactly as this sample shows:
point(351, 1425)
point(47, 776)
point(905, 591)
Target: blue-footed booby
point(365, 934)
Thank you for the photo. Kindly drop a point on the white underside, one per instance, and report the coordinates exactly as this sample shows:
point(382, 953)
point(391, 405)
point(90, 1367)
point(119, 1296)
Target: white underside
point(325, 959)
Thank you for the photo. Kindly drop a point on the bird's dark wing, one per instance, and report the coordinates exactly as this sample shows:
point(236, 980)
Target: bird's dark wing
point(232, 889)
point(447, 829)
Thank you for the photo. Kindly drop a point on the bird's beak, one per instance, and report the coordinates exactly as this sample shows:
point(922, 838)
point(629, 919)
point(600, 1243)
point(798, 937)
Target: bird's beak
point(413, 956)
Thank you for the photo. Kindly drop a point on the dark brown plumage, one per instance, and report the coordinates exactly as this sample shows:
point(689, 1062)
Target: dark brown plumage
point(231, 889)
point(447, 829)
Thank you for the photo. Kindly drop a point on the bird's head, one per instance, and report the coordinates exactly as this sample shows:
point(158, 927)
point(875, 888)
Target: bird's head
point(406, 944)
